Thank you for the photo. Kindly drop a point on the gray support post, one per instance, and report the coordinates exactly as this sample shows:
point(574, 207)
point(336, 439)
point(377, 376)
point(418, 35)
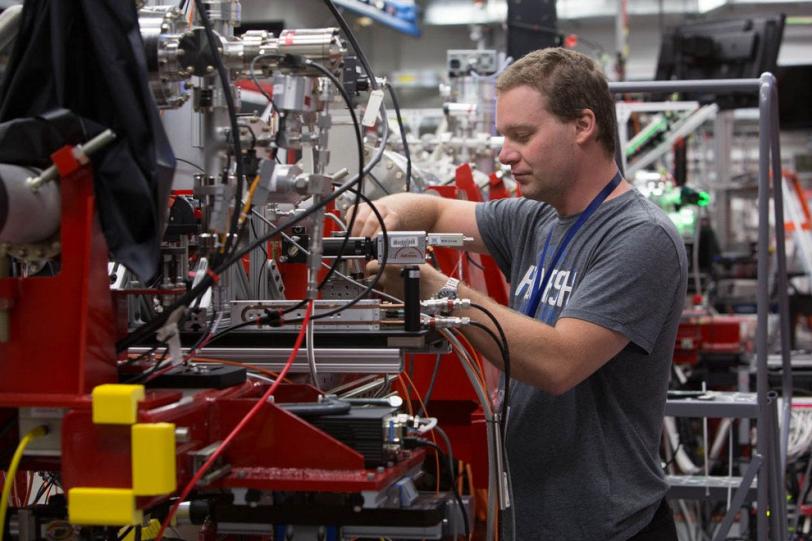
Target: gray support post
point(763, 304)
point(748, 86)
point(738, 498)
point(778, 507)
point(781, 256)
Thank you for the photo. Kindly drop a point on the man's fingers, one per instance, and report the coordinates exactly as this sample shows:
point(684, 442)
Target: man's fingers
point(367, 223)
point(361, 213)
point(372, 267)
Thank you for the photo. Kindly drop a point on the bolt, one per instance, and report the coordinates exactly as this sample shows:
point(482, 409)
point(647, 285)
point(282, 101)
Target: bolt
point(182, 434)
point(209, 69)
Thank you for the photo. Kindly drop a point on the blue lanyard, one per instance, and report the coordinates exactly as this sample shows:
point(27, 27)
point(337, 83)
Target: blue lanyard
point(539, 283)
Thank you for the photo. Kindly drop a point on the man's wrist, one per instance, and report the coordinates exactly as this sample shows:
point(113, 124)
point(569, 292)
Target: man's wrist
point(450, 289)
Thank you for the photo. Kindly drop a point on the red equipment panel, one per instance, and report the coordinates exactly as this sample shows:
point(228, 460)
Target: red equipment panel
point(62, 327)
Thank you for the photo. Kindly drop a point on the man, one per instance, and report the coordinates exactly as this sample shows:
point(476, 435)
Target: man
point(592, 334)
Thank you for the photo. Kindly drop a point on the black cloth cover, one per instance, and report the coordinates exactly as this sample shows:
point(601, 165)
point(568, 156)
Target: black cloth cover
point(88, 56)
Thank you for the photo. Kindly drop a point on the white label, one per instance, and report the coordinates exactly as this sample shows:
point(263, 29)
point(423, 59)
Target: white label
point(373, 108)
point(46, 413)
point(403, 242)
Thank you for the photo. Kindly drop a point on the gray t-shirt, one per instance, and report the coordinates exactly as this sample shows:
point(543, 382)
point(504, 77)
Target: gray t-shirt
point(585, 465)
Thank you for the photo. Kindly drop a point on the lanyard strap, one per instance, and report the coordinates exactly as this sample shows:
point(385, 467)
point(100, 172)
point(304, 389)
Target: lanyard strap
point(539, 283)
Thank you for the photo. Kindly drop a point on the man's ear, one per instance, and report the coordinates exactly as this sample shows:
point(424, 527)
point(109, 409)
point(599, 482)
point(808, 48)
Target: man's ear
point(586, 126)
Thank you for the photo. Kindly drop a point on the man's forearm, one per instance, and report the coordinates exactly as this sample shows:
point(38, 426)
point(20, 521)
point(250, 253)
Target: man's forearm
point(554, 359)
point(531, 343)
point(415, 212)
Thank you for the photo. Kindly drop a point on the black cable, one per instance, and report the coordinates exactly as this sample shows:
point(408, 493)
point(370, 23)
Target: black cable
point(232, 115)
point(673, 457)
point(125, 533)
point(402, 137)
point(151, 370)
point(452, 476)
point(434, 373)
point(187, 162)
point(43, 488)
point(137, 533)
point(232, 328)
point(474, 263)
point(505, 357)
point(499, 344)
point(253, 74)
point(378, 183)
point(143, 355)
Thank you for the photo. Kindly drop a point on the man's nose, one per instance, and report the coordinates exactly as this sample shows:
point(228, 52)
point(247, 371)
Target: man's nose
point(507, 155)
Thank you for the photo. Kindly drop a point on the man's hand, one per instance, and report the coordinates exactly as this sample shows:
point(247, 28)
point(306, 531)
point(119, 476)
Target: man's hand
point(367, 224)
point(431, 280)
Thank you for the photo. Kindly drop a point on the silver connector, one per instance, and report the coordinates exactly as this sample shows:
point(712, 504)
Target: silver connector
point(443, 306)
point(450, 240)
point(448, 322)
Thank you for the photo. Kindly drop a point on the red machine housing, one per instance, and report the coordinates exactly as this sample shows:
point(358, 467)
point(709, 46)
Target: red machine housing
point(62, 336)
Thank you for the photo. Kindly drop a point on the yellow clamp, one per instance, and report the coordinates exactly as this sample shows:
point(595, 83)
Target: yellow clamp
point(152, 447)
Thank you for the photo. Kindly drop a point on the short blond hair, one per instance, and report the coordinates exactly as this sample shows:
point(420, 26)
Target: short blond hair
point(571, 82)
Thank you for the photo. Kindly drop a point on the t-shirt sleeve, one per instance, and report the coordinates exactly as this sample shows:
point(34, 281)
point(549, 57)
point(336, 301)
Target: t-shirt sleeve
point(503, 225)
point(631, 284)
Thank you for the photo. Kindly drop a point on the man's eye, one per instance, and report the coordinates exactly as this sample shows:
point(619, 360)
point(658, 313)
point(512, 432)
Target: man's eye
point(521, 137)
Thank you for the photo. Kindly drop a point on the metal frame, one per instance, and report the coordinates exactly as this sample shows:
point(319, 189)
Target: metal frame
point(770, 473)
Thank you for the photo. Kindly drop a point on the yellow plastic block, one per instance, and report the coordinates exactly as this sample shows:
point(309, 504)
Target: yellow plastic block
point(103, 507)
point(116, 404)
point(153, 459)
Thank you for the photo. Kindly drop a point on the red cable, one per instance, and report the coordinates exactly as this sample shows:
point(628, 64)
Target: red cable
point(236, 430)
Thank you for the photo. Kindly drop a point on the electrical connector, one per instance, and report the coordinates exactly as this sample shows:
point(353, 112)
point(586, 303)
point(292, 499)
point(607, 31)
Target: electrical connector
point(449, 240)
point(444, 306)
point(448, 322)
